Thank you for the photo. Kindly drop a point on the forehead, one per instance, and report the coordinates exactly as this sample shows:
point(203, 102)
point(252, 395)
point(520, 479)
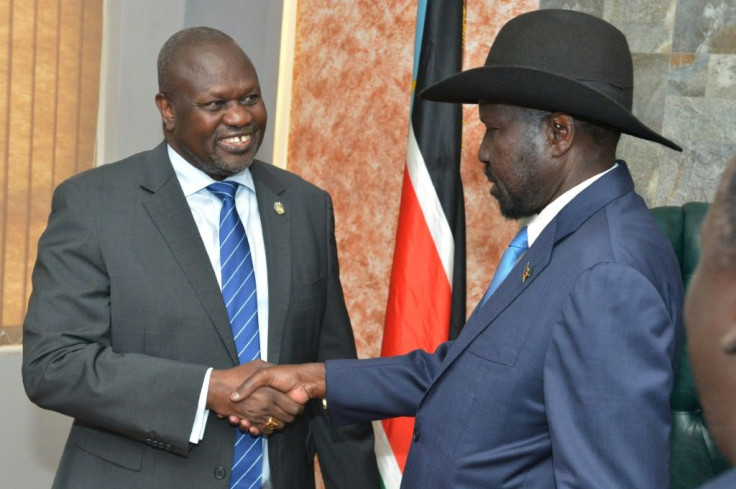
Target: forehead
point(488, 111)
point(212, 67)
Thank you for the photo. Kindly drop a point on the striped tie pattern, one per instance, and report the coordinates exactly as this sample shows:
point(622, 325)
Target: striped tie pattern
point(512, 254)
point(239, 294)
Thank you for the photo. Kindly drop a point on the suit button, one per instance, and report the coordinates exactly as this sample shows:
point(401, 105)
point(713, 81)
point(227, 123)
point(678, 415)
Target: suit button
point(415, 436)
point(220, 473)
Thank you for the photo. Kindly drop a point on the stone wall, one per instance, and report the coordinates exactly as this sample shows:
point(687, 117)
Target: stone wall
point(684, 87)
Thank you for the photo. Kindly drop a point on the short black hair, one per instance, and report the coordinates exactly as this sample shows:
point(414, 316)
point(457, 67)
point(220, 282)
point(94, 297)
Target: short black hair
point(600, 134)
point(183, 39)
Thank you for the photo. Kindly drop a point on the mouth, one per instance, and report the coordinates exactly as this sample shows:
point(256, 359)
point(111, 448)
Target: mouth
point(236, 144)
point(489, 175)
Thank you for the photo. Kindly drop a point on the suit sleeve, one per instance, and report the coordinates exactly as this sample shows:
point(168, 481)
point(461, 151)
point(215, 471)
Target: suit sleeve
point(69, 364)
point(346, 454)
point(380, 388)
point(607, 378)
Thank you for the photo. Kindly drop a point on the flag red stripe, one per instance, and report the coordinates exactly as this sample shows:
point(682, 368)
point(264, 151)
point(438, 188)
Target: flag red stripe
point(420, 300)
point(418, 310)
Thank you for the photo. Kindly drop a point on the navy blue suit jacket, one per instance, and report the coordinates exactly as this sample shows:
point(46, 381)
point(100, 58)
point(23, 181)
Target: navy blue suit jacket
point(562, 379)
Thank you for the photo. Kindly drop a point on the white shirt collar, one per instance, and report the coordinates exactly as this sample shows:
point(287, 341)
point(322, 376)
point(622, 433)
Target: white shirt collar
point(538, 222)
point(193, 180)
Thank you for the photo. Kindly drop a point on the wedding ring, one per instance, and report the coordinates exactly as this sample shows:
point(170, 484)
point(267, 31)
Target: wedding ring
point(271, 424)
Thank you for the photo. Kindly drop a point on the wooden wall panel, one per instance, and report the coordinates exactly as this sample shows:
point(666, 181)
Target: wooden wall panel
point(49, 84)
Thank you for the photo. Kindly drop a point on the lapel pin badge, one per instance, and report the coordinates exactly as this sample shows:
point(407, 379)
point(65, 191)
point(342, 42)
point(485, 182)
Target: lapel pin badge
point(526, 273)
point(279, 208)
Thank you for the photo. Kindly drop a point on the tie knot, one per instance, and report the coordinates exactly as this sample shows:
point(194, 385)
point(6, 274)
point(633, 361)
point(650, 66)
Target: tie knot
point(520, 240)
point(223, 190)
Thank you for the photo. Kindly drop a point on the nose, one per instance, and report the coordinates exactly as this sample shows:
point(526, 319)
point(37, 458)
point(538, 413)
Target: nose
point(237, 114)
point(484, 150)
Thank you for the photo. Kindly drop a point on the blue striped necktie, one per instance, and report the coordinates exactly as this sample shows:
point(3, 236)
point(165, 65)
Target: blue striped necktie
point(516, 248)
point(239, 294)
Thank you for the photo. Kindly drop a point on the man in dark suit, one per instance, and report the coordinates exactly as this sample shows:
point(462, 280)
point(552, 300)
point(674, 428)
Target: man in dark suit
point(127, 328)
point(561, 377)
point(710, 317)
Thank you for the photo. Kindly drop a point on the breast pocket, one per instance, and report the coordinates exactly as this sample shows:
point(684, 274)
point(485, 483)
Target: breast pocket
point(495, 349)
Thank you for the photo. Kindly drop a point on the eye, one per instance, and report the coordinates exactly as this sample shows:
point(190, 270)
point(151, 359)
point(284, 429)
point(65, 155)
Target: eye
point(250, 99)
point(213, 105)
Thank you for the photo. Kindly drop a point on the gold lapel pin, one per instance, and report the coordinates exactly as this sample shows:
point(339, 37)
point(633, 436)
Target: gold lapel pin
point(279, 208)
point(526, 273)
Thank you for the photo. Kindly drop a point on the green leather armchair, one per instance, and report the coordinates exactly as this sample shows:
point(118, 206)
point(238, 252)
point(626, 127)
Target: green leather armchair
point(694, 457)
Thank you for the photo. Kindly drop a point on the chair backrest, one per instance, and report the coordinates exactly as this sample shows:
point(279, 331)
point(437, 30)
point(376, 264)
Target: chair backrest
point(694, 457)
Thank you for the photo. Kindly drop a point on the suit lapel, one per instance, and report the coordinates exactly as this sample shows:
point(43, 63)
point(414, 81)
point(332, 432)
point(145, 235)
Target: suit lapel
point(531, 265)
point(571, 217)
point(277, 241)
point(170, 213)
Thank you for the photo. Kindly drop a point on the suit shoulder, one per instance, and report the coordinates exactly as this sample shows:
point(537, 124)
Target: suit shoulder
point(634, 230)
point(119, 172)
point(286, 178)
point(132, 166)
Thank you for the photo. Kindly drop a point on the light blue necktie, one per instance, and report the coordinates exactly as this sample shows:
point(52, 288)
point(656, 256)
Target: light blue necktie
point(516, 248)
point(239, 294)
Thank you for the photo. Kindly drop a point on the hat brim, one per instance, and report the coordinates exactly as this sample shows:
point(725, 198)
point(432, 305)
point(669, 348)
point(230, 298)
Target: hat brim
point(541, 90)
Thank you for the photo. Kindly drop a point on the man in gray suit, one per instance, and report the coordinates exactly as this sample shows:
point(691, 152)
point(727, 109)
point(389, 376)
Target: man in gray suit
point(127, 330)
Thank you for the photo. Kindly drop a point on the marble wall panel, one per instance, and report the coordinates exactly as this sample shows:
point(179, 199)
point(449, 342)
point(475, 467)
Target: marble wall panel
point(706, 25)
point(688, 74)
point(647, 23)
point(721, 77)
point(349, 122)
point(706, 128)
point(592, 7)
point(650, 82)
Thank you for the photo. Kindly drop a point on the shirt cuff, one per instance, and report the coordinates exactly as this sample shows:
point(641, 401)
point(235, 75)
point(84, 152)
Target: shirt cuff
point(200, 418)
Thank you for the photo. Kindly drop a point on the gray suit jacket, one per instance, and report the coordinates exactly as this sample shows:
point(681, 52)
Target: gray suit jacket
point(126, 315)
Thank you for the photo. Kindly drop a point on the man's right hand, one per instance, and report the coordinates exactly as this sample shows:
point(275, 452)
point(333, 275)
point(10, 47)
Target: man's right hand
point(262, 405)
point(300, 382)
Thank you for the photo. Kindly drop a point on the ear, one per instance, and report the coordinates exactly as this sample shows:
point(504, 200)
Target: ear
point(167, 111)
point(560, 133)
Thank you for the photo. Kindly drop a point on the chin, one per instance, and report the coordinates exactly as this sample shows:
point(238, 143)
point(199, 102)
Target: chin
point(227, 169)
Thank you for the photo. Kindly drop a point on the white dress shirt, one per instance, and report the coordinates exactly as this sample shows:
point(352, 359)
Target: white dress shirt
point(538, 222)
point(205, 208)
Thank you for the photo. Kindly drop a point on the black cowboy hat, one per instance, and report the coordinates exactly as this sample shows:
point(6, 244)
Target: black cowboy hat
point(555, 60)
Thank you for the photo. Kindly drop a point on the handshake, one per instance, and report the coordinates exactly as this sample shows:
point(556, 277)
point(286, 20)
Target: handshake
point(260, 397)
